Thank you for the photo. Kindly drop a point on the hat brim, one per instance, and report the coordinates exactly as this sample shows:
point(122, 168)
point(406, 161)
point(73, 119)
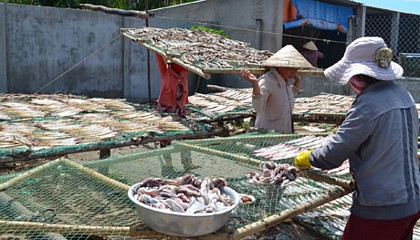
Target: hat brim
point(288, 56)
point(310, 46)
point(342, 71)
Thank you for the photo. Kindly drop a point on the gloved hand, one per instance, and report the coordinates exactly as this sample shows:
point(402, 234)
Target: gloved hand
point(302, 160)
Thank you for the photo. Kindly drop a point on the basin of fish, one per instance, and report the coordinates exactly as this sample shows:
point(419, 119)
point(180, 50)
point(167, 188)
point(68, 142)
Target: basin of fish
point(186, 206)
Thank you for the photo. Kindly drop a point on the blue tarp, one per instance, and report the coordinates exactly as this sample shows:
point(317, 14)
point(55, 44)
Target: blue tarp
point(320, 15)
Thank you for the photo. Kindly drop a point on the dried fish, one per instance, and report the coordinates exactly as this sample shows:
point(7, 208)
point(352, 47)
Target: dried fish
point(201, 49)
point(323, 103)
point(291, 148)
point(273, 174)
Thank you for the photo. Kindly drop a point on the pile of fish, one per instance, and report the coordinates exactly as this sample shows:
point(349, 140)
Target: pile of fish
point(24, 106)
point(187, 194)
point(323, 103)
point(291, 148)
point(273, 174)
point(202, 49)
point(39, 121)
point(223, 102)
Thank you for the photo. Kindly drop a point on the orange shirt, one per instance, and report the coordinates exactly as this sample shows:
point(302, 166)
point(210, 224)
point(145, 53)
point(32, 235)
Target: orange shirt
point(170, 76)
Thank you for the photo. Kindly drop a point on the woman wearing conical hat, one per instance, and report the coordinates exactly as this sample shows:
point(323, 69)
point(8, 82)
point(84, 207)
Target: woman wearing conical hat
point(273, 97)
point(311, 53)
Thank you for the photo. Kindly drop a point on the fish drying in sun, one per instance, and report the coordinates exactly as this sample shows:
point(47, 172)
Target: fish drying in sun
point(273, 174)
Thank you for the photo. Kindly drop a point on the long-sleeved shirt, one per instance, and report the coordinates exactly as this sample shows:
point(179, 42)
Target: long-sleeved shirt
point(172, 76)
point(275, 104)
point(379, 137)
point(313, 56)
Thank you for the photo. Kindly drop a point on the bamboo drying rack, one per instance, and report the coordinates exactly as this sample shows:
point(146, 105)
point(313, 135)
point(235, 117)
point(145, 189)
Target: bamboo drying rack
point(202, 72)
point(141, 230)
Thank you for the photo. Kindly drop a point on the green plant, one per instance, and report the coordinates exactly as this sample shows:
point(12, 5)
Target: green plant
point(210, 30)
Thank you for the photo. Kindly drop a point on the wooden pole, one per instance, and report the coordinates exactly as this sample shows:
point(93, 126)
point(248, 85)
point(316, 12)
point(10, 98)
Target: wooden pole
point(275, 219)
point(29, 173)
point(253, 138)
point(24, 156)
point(133, 231)
point(117, 11)
point(191, 68)
point(320, 177)
point(61, 228)
point(19, 210)
point(254, 70)
point(289, 213)
point(97, 175)
point(218, 153)
point(149, 84)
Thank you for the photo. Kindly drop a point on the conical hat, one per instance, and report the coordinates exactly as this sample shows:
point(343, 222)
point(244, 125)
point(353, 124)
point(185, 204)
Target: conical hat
point(310, 46)
point(288, 56)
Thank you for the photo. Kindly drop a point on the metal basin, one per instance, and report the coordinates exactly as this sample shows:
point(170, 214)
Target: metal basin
point(182, 224)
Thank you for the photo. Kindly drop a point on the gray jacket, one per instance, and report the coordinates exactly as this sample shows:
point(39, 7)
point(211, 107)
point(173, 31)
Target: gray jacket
point(379, 137)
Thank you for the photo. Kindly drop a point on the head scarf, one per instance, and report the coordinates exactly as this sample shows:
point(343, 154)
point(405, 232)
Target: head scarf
point(357, 84)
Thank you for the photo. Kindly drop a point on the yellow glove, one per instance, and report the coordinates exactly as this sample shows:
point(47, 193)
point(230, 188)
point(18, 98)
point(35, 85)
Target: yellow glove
point(302, 160)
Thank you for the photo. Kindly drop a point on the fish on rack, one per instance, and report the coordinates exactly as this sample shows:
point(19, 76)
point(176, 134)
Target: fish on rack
point(291, 148)
point(273, 174)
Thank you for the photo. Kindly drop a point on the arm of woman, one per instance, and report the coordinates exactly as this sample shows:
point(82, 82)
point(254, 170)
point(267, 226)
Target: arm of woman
point(259, 96)
point(355, 129)
point(248, 76)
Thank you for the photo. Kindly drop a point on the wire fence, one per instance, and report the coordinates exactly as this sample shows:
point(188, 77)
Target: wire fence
point(401, 32)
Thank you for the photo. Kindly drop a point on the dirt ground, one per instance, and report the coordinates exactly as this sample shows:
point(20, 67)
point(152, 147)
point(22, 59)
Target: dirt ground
point(283, 231)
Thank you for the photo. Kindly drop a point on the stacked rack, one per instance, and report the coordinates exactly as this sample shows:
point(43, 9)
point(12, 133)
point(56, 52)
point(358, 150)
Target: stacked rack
point(200, 52)
point(219, 106)
point(229, 102)
point(322, 108)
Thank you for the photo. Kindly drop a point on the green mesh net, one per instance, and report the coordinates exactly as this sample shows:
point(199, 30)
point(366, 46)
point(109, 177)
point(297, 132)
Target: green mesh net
point(43, 126)
point(73, 199)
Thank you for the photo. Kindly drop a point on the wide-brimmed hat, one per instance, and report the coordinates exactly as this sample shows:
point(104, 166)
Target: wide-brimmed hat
point(288, 56)
point(365, 56)
point(310, 46)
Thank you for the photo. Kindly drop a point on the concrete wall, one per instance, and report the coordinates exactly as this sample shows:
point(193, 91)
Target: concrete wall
point(57, 50)
point(258, 22)
point(3, 47)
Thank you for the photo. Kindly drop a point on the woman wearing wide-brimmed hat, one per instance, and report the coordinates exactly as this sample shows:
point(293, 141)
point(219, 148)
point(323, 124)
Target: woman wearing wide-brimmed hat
point(379, 137)
point(273, 94)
